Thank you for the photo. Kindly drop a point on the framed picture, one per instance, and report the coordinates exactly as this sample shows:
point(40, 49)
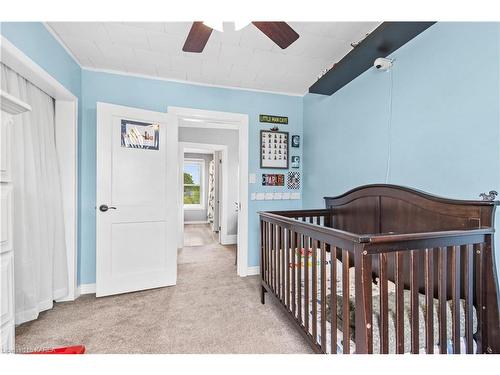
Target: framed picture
point(273, 180)
point(141, 135)
point(295, 161)
point(295, 140)
point(273, 149)
point(293, 181)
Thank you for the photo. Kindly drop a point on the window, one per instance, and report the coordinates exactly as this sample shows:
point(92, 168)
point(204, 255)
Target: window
point(193, 184)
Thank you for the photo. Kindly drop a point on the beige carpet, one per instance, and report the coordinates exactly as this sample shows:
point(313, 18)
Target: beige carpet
point(210, 310)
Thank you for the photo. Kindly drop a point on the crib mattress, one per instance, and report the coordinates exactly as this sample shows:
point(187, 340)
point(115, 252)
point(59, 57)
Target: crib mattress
point(376, 318)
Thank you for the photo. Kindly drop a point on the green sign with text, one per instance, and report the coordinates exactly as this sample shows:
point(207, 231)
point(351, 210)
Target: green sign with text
point(273, 119)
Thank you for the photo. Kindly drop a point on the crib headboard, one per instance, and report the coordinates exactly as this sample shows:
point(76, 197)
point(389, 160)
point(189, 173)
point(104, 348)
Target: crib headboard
point(385, 209)
point(398, 209)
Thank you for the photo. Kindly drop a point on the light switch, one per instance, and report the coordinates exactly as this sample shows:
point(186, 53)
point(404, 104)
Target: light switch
point(253, 196)
point(251, 178)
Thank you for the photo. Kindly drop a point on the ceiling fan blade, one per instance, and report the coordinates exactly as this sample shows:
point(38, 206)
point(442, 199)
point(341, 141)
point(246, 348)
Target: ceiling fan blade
point(279, 32)
point(197, 38)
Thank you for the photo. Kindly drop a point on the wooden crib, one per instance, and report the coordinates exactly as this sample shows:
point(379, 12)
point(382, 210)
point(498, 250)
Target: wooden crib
point(386, 269)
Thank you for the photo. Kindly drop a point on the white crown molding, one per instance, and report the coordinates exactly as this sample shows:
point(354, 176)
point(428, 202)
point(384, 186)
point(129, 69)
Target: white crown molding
point(155, 78)
point(13, 105)
point(61, 42)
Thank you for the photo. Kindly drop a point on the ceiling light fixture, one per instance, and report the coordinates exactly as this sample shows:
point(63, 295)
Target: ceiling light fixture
point(240, 24)
point(216, 25)
point(222, 26)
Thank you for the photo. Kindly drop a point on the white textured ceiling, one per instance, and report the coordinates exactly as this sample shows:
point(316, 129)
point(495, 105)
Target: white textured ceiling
point(242, 59)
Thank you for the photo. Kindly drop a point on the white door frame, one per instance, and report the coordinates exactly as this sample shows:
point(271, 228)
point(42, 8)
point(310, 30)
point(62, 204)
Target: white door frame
point(226, 206)
point(234, 121)
point(66, 124)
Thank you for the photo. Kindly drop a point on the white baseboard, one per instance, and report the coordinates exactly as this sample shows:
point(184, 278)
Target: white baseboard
point(87, 289)
point(70, 296)
point(195, 222)
point(228, 239)
point(254, 270)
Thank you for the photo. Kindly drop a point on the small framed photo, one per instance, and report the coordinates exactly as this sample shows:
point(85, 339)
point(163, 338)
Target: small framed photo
point(273, 180)
point(295, 161)
point(295, 140)
point(142, 135)
point(293, 181)
point(273, 149)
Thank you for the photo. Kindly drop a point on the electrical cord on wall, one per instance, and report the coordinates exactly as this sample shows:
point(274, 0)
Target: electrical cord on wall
point(389, 130)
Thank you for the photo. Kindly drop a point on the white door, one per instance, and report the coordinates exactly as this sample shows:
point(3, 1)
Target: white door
point(136, 200)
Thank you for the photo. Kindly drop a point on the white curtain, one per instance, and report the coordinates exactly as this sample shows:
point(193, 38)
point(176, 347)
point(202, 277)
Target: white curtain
point(40, 265)
point(211, 191)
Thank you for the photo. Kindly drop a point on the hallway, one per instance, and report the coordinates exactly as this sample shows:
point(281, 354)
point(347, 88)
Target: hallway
point(210, 310)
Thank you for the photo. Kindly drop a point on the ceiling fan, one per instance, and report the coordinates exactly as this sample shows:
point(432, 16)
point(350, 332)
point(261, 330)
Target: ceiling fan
point(279, 32)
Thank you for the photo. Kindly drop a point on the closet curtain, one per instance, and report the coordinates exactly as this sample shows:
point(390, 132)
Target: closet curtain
point(40, 265)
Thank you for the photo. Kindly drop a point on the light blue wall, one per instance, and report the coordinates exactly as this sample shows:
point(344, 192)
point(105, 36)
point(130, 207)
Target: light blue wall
point(38, 44)
point(157, 95)
point(445, 120)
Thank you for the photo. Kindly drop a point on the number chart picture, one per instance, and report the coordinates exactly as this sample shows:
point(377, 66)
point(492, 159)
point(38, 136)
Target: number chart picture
point(140, 135)
point(273, 149)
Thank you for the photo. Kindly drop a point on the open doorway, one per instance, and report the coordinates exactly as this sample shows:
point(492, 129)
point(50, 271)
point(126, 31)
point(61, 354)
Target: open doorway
point(222, 216)
point(204, 198)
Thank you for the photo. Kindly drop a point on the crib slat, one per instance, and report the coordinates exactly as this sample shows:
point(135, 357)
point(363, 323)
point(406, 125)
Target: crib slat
point(414, 271)
point(479, 248)
point(293, 241)
point(300, 251)
point(333, 299)
point(455, 299)
point(384, 304)
point(262, 251)
point(268, 254)
point(306, 282)
point(287, 268)
point(363, 300)
point(271, 258)
point(264, 254)
point(398, 270)
point(442, 267)
point(271, 252)
point(468, 299)
point(323, 296)
point(346, 334)
point(278, 261)
point(314, 290)
point(283, 265)
point(429, 300)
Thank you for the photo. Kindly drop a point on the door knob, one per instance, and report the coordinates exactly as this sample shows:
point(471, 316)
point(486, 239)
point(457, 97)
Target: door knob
point(104, 207)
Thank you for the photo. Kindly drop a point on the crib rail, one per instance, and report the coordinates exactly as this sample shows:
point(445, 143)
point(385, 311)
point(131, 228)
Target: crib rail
point(344, 289)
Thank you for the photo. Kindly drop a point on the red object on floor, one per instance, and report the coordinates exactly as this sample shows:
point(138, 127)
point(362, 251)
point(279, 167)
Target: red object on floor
point(77, 349)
